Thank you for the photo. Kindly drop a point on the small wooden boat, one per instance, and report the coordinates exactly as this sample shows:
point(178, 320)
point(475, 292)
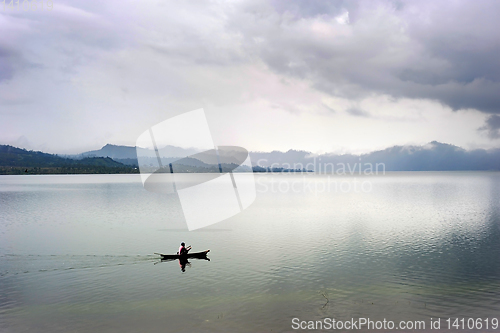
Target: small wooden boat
point(199, 255)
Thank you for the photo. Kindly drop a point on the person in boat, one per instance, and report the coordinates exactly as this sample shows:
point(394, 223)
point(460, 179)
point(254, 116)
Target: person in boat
point(183, 250)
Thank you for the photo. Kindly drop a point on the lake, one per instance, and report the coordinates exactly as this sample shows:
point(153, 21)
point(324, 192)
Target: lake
point(77, 254)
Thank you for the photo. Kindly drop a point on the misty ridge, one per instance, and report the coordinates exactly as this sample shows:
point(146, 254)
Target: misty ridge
point(434, 156)
point(17, 161)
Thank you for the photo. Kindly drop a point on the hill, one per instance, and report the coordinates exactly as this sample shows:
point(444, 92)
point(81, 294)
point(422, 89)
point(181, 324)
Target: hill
point(21, 161)
point(128, 155)
point(434, 156)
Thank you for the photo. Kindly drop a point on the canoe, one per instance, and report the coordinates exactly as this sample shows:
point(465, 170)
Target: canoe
point(200, 255)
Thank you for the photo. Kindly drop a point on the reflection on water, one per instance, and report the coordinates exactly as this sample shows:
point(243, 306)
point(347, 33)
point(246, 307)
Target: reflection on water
point(76, 254)
point(182, 262)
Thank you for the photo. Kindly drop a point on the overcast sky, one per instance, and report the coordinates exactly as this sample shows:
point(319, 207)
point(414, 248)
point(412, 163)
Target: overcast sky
point(322, 76)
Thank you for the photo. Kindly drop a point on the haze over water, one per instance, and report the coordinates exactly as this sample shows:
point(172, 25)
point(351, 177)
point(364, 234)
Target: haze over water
point(77, 254)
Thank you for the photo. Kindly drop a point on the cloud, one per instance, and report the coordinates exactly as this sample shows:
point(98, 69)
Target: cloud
point(492, 127)
point(11, 57)
point(96, 72)
point(443, 51)
point(6, 67)
point(64, 38)
point(357, 112)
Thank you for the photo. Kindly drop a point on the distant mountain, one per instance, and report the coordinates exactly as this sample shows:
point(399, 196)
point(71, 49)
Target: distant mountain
point(21, 161)
point(434, 156)
point(112, 151)
point(17, 161)
point(127, 152)
point(128, 155)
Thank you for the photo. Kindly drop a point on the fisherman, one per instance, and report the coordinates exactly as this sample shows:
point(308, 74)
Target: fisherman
point(183, 250)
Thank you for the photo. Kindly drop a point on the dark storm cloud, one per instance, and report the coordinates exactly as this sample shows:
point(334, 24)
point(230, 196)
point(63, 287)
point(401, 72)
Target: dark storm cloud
point(492, 127)
point(444, 51)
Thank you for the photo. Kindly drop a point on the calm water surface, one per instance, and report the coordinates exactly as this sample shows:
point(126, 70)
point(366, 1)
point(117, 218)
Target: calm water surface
point(77, 254)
